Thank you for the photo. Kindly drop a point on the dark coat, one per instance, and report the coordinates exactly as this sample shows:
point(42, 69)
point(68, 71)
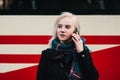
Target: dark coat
point(50, 69)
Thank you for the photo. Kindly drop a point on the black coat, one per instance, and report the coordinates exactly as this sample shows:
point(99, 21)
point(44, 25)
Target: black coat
point(50, 69)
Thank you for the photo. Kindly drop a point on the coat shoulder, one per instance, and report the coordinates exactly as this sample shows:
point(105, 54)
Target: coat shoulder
point(48, 52)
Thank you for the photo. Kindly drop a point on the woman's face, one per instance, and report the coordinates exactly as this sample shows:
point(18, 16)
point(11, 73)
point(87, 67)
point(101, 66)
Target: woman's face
point(65, 29)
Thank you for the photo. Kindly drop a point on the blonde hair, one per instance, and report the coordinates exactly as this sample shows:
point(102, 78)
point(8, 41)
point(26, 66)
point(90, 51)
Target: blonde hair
point(64, 14)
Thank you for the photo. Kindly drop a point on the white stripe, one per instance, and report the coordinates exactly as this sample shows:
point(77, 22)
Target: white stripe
point(37, 49)
point(22, 49)
point(94, 48)
point(7, 67)
point(100, 25)
point(43, 25)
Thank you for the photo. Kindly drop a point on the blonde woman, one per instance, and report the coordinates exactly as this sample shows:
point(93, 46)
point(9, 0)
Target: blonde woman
point(67, 58)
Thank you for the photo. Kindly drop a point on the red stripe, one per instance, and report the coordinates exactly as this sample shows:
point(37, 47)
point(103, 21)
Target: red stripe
point(28, 73)
point(107, 63)
point(44, 39)
point(25, 58)
point(102, 39)
point(24, 39)
point(19, 58)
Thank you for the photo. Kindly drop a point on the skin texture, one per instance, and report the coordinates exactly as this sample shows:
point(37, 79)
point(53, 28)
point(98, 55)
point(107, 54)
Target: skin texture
point(65, 33)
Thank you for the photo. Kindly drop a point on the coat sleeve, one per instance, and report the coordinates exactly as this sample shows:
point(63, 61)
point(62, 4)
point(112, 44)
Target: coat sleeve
point(42, 67)
point(87, 66)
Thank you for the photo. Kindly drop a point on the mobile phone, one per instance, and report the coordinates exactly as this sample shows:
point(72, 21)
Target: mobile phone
point(75, 31)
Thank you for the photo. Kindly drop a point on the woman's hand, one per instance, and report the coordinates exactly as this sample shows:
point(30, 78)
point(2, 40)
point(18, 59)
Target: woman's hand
point(78, 42)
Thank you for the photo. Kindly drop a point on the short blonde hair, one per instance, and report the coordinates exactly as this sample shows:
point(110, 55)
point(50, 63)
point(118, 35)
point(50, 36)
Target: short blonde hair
point(64, 14)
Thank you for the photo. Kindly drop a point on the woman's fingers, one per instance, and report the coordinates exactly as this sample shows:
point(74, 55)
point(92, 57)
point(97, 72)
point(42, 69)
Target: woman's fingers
point(78, 42)
point(76, 37)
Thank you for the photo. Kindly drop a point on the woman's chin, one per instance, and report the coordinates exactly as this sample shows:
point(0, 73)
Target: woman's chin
point(65, 40)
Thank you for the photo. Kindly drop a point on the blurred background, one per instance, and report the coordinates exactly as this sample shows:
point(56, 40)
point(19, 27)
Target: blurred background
point(60, 5)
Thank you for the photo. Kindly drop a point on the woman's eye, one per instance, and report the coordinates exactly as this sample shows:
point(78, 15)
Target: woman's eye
point(68, 26)
point(59, 26)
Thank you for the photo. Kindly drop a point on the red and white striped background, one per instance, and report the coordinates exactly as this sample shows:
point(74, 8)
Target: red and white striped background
point(22, 38)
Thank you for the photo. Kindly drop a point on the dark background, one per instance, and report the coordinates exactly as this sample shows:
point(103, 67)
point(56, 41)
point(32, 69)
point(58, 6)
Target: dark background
point(54, 7)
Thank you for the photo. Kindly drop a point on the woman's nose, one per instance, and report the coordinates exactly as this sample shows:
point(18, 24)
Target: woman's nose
point(62, 29)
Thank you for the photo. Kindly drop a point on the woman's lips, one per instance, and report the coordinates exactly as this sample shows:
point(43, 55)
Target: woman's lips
point(62, 35)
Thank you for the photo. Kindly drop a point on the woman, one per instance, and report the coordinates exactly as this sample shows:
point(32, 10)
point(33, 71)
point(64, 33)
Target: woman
point(67, 58)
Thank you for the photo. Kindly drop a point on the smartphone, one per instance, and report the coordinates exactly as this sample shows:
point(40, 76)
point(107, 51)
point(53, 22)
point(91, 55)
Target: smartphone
point(75, 31)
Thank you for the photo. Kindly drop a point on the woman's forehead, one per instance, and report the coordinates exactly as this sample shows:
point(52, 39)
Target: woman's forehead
point(66, 20)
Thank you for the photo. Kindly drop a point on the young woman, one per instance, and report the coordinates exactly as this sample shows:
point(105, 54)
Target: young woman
point(67, 58)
